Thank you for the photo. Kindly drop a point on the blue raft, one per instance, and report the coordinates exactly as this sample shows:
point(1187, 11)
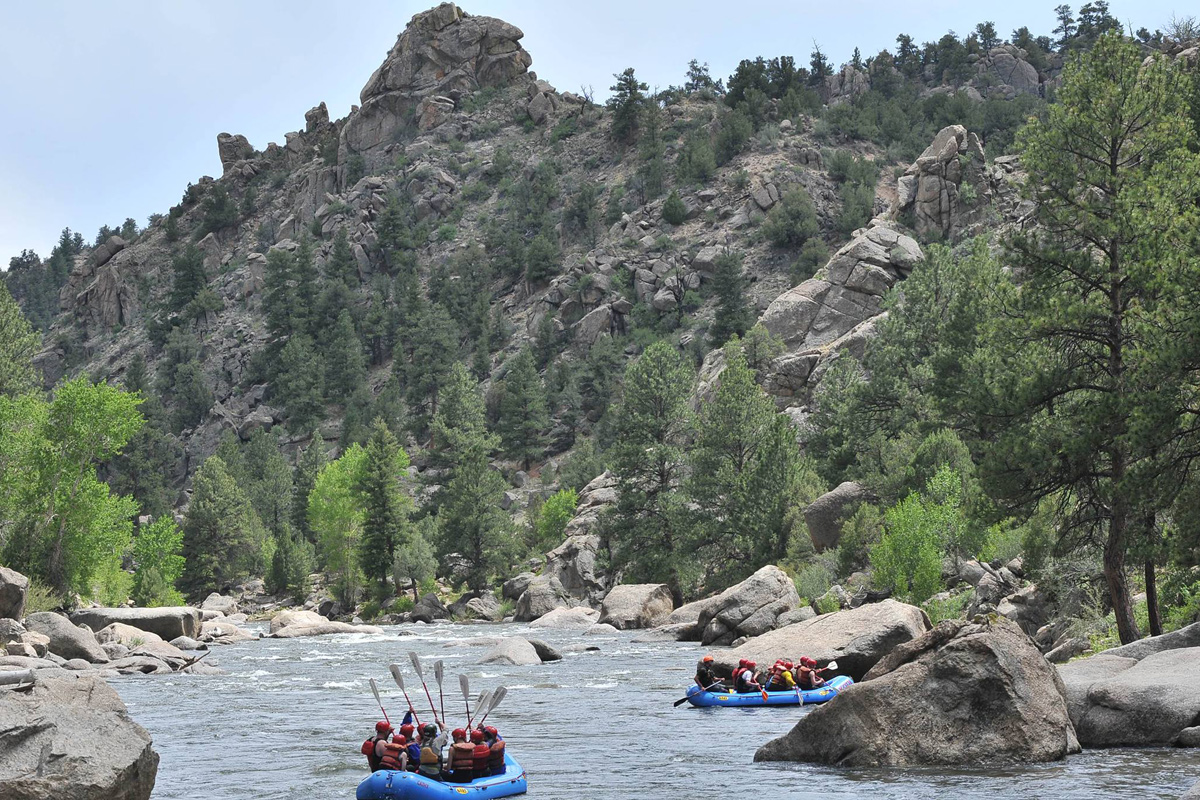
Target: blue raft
point(395, 785)
point(698, 697)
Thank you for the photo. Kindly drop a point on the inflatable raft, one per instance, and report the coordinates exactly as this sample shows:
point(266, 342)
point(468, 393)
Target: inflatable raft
point(394, 785)
point(698, 697)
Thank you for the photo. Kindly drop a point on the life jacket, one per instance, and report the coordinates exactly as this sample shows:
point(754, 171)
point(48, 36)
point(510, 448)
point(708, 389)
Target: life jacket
point(496, 759)
point(480, 754)
point(462, 758)
point(368, 750)
point(809, 679)
point(431, 761)
point(393, 756)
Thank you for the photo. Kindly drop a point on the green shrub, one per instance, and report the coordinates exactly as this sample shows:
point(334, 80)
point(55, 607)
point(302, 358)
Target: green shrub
point(859, 534)
point(813, 580)
point(951, 607)
point(908, 559)
point(827, 604)
point(732, 136)
point(40, 597)
point(813, 255)
point(674, 211)
point(793, 220)
point(696, 163)
point(553, 517)
point(447, 233)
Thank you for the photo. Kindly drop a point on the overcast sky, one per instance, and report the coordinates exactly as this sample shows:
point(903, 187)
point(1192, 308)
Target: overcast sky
point(112, 108)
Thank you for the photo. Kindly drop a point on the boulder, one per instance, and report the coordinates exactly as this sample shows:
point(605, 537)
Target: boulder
point(857, 639)
point(232, 148)
point(1184, 637)
point(167, 653)
point(544, 594)
point(578, 618)
point(291, 624)
point(429, 608)
point(637, 605)
point(220, 604)
point(514, 587)
point(960, 694)
point(1192, 793)
point(825, 515)
point(126, 635)
point(1121, 702)
point(545, 652)
point(749, 608)
point(11, 631)
point(66, 640)
point(225, 632)
point(13, 586)
point(483, 606)
point(140, 665)
point(513, 651)
point(678, 632)
point(600, 629)
point(73, 739)
point(167, 622)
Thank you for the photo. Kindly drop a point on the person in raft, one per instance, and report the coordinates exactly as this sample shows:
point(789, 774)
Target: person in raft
point(780, 678)
point(807, 675)
point(743, 677)
point(373, 748)
point(705, 678)
point(460, 762)
point(495, 743)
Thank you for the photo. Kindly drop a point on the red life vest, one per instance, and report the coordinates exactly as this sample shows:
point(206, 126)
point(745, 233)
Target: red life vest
point(368, 750)
point(496, 759)
point(479, 759)
point(392, 756)
point(462, 755)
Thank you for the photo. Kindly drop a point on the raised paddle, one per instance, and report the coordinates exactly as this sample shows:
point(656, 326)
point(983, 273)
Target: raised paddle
point(375, 689)
point(495, 701)
point(416, 661)
point(683, 700)
point(480, 703)
point(465, 685)
point(437, 673)
point(395, 670)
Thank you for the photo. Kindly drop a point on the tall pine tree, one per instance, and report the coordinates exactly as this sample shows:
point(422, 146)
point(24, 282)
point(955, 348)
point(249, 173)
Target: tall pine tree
point(523, 417)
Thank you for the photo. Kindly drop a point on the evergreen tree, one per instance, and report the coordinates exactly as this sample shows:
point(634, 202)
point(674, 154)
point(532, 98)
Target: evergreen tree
point(345, 365)
point(459, 428)
point(386, 509)
point(278, 295)
point(626, 106)
point(188, 277)
point(191, 394)
point(303, 318)
point(291, 563)
point(1096, 350)
point(733, 316)
point(298, 385)
point(434, 343)
point(389, 405)
point(311, 461)
point(598, 380)
point(651, 149)
point(473, 524)
point(341, 266)
point(523, 417)
point(674, 211)
point(18, 345)
point(648, 527)
point(221, 533)
point(149, 464)
point(267, 481)
point(135, 374)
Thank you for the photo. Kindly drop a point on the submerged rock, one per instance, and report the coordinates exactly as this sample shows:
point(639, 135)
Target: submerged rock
point(963, 693)
point(72, 739)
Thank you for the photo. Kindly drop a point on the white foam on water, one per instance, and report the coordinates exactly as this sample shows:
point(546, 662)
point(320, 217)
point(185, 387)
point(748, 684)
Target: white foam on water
point(340, 685)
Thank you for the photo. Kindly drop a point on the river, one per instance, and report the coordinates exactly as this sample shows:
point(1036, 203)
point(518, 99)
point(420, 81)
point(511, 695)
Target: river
point(288, 720)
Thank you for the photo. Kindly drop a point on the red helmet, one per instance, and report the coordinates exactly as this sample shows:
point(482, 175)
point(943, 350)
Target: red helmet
point(399, 739)
point(477, 736)
point(490, 731)
point(751, 664)
point(807, 662)
point(383, 728)
point(459, 734)
point(788, 665)
point(407, 730)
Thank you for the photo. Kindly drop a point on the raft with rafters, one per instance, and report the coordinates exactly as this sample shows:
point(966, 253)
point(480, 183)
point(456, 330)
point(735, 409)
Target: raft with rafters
point(698, 697)
point(387, 784)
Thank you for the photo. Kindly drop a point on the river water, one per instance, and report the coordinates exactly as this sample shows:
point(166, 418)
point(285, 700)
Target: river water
point(288, 720)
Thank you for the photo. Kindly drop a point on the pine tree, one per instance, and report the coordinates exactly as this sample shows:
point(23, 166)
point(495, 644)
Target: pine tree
point(385, 524)
point(434, 343)
point(523, 417)
point(188, 277)
point(220, 532)
point(473, 524)
point(267, 480)
point(733, 316)
point(459, 428)
point(192, 396)
point(301, 373)
point(278, 294)
point(626, 106)
point(305, 477)
point(18, 345)
point(345, 365)
point(341, 266)
point(303, 318)
point(674, 211)
point(135, 374)
point(653, 168)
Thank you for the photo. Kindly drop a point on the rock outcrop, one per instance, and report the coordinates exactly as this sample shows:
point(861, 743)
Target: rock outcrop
point(1120, 701)
point(1003, 71)
point(573, 563)
point(543, 595)
point(232, 148)
point(825, 515)
point(932, 186)
point(13, 586)
point(637, 605)
point(857, 639)
point(168, 622)
point(72, 738)
point(749, 608)
point(443, 54)
point(963, 693)
point(67, 640)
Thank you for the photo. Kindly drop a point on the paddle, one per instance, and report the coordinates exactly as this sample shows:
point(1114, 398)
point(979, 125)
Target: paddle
point(480, 702)
point(416, 661)
point(395, 670)
point(375, 689)
point(437, 673)
point(465, 685)
point(683, 700)
point(495, 701)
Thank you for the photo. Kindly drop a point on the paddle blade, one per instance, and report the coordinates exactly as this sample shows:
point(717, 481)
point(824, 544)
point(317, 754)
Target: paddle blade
point(395, 670)
point(416, 662)
point(831, 665)
point(465, 685)
point(496, 698)
point(437, 672)
point(375, 690)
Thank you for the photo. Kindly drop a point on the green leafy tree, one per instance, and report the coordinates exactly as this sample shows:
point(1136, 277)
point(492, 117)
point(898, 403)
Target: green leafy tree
point(908, 558)
point(523, 416)
point(1095, 347)
point(222, 536)
point(386, 509)
point(336, 510)
point(648, 526)
point(158, 563)
point(733, 315)
point(18, 345)
point(415, 560)
point(553, 517)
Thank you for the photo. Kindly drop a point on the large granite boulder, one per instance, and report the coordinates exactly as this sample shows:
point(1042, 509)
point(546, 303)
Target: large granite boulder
point(963, 693)
point(1003, 71)
point(13, 586)
point(573, 563)
point(543, 595)
point(578, 618)
point(66, 640)
point(442, 52)
point(1119, 701)
point(72, 739)
point(637, 605)
point(749, 608)
point(857, 638)
point(429, 608)
point(232, 148)
point(512, 651)
point(226, 606)
point(292, 624)
point(825, 515)
point(481, 606)
point(125, 634)
point(1188, 636)
point(168, 622)
point(223, 631)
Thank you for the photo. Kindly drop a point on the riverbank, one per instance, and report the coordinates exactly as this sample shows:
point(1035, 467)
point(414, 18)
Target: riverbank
point(602, 717)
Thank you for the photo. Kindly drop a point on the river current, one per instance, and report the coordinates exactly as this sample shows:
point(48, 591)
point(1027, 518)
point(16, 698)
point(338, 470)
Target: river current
point(288, 720)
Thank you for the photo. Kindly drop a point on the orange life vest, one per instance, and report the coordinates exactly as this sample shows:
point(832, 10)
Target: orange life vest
point(479, 761)
point(462, 756)
point(392, 756)
point(496, 759)
point(368, 750)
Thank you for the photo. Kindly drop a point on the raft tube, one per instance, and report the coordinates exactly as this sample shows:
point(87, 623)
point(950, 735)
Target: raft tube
point(698, 697)
point(389, 784)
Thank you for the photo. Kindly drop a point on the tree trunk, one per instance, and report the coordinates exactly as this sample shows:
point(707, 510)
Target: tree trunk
point(414, 590)
point(1114, 574)
point(1152, 599)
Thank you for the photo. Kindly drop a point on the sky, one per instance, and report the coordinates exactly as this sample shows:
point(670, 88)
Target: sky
point(112, 108)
